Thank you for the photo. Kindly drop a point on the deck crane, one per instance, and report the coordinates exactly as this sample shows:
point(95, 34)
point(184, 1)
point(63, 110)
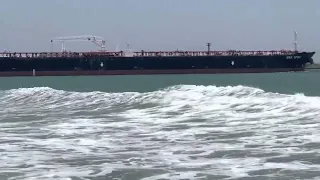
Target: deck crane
point(99, 41)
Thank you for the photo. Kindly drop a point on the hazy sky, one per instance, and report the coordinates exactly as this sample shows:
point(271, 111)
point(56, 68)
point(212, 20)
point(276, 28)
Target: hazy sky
point(29, 25)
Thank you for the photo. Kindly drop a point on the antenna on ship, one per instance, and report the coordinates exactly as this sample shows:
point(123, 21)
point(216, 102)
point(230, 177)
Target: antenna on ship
point(93, 39)
point(51, 45)
point(128, 51)
point(117, 47)
point(295, 41)
point(128, 46)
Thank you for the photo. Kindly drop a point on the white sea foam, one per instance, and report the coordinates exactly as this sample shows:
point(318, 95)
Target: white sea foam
point(183, 131)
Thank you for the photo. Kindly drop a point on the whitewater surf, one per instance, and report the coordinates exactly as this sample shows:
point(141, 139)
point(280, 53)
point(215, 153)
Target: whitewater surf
point(183, 131)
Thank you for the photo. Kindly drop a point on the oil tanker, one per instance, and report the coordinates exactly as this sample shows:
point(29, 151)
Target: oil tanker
point(102, 62)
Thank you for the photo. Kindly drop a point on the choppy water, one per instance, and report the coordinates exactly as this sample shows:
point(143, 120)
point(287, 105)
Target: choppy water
point(179, 132)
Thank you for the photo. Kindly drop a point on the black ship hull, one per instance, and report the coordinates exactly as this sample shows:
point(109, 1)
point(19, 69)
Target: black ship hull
point(121, 65)
point(144, 72)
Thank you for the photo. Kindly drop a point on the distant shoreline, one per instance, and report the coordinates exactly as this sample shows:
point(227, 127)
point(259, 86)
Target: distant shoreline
point(313, 66)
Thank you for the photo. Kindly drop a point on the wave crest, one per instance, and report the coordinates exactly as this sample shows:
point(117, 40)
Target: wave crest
point(184, 99)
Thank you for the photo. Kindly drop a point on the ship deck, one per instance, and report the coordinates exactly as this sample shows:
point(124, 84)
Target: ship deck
point(143, 54)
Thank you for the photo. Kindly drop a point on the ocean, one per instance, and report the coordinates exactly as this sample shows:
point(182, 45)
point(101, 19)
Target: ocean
point(223, 126)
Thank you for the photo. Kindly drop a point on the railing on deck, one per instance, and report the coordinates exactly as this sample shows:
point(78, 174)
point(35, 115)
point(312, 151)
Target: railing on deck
point(214, 53)
point(59, 54)
point(143, 54)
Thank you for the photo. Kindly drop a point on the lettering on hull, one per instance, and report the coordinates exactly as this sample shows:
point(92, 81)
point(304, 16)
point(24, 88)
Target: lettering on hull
point(294, 57)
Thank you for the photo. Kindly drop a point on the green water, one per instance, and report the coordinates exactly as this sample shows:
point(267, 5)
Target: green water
point(287, 83)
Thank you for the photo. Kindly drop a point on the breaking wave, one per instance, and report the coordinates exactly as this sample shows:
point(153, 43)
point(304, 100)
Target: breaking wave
point(183, 131)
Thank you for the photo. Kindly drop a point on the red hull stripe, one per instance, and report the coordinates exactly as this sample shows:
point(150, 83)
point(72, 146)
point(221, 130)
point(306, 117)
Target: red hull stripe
point(145, 72)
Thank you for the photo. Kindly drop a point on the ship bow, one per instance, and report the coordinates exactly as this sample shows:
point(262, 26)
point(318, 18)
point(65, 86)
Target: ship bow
point(309, 57)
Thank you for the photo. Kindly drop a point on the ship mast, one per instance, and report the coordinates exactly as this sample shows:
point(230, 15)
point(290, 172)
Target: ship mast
point(295, 41)
point(208, 44)
point(99, 41)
